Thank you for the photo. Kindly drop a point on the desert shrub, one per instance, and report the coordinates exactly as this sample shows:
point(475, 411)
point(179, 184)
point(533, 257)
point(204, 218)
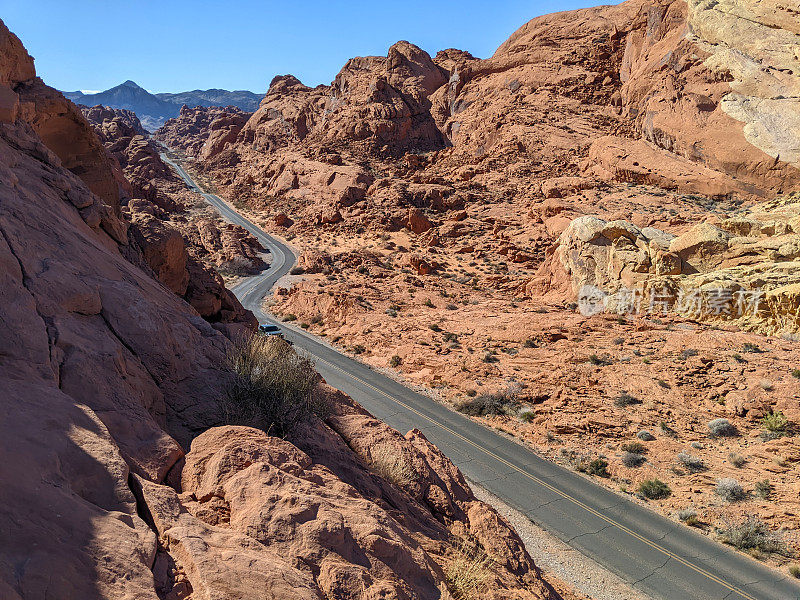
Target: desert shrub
point(484, 405)
point(794, 571)
point(751, 534)
point(471, 393)
point(721, 427)
point(531, 343)
point(693, 463)
point(359, 349)
point(775, 422)
point(633, 459)
point(599, 361)
point(499, 403)
point(434, 327)
point(737, 460)
point(625, 399)
point(634, 447)
point(490, 357)
point(645, 436)
point(766, 385)
point(667, 430)
point(270, 385)
point(290, 317)
point(750, 347)
point(730, 490)
point(395, 361)
point(592, 466)
point(796, 373)
point(527, 414)
point(688, 353)
point(654, 489)
point(389, 461)
point(469, 573)
point(429, 303)
point(763, 489)
point(688, 516)
point(297, 271)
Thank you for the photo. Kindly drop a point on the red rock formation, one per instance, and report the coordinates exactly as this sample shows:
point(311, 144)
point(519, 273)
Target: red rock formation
point(202, 131)
point(161, 237)
point(107, 376)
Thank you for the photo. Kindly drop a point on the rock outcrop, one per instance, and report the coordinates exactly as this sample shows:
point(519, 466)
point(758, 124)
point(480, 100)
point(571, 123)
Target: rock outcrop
point(202, 131)
point(157, 209)
point(108, 377)
point(744, 269)
point(623, 148)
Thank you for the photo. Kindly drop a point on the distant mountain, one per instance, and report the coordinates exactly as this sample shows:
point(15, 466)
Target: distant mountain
point(154, 109)
point(247, 101)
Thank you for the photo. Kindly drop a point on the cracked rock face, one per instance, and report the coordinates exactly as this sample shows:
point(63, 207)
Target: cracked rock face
point(161, 235)
point(108, 377)
point(756, 45)
point(757, 252)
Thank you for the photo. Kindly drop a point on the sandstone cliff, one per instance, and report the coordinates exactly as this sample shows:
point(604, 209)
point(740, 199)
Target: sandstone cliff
point(645, 147)
point(183, 253)
point(108, 378)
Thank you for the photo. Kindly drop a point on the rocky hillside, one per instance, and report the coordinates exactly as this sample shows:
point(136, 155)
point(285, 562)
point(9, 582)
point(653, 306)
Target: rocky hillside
point(605, 208)
point(154, 109)
point(121, 478)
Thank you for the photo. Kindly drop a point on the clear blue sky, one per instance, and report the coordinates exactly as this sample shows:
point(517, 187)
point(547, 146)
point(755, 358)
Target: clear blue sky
point(179, 45)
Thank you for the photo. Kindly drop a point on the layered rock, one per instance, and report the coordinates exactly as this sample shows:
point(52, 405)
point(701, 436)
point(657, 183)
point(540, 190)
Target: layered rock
point(743, 268)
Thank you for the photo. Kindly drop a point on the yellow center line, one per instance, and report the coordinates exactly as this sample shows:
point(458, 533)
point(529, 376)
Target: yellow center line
point(550, 487)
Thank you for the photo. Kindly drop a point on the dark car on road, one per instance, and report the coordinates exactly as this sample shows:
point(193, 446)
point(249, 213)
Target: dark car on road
point(270, 330)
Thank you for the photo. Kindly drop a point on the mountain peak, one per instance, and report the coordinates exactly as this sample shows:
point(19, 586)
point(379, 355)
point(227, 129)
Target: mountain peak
point(131, 84)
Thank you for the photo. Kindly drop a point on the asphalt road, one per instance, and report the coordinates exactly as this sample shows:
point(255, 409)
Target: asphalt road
point(662, 558)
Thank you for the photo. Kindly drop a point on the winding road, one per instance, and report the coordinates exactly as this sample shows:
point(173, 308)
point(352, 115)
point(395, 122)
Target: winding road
point(662, 558)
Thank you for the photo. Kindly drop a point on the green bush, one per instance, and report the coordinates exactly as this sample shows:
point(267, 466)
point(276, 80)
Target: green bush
point(654, 489)
point(395, 361)
point(595, 466)
point(633, 447)
point(775, 422)
point(270, 385)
